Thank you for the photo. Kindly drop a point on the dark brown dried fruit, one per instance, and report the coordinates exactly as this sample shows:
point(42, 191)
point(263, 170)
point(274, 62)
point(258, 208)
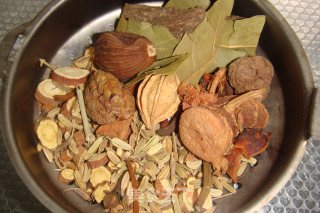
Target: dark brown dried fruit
point(123, 54)
point(106, 99)
point(250, 73)
point(207, 134)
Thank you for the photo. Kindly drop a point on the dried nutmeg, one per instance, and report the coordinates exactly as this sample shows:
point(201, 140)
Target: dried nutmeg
point(123, 54)
point(106, 99)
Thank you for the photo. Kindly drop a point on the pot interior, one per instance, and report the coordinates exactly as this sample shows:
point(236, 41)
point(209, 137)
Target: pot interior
point(68, 29)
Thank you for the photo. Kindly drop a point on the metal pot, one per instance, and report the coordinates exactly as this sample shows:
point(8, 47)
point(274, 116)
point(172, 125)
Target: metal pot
point(63, 29)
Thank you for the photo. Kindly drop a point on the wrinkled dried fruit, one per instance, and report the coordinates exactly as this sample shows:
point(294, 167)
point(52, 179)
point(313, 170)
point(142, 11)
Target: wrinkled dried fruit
point(157, 99)
point(207, 134)
point(252, 142)
point(250, 73)
point(123, 54)
point(106, 100)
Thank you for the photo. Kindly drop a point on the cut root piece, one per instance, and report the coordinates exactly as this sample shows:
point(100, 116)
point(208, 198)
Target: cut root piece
point(100, 175)
point(70, 76)
point(47, 132)
point(47, 90)
point(65, 97)
point(66, 176)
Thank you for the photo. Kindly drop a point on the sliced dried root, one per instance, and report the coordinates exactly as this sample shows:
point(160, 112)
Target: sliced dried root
point(100, 192)
point(100, 175)
point(47, 90)
point(70, 76)
point(47, 132)
point(66, 176)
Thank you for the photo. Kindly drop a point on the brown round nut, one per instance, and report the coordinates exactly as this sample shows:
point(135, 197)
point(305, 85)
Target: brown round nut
point(123, 54)
point(250, 73)
point(106, 99)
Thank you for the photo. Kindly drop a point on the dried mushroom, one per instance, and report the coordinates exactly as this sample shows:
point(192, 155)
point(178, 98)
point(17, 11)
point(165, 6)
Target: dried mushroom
point(157, 99)
point(207, 134)
point(123, 54)
point(106, 100)
point(250, 73)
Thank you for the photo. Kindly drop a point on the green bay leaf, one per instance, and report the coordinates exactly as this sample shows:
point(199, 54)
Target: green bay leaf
point(243, 34)
point(217, 41)
point(185, 4)
point(161, 63)
point(160, 36)
point(122, 25)
point(168, 67)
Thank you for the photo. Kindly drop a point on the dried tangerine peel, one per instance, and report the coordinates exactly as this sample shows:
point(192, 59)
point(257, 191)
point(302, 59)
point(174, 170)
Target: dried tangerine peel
point(253, 142)
point(206, 134)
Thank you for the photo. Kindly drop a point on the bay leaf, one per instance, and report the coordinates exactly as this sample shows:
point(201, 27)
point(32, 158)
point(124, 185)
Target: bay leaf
point(165, 70)
point(243, 34)
point(122, 25)
point(161, 63)
point(160, 36)
point(217, 41)
point(185, 4)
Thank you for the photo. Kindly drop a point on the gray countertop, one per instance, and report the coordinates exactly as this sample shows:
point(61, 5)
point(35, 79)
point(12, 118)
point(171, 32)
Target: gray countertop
point(301, 193)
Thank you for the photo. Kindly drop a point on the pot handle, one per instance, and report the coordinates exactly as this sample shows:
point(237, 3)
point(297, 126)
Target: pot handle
point(11, 37)
point(314, 125)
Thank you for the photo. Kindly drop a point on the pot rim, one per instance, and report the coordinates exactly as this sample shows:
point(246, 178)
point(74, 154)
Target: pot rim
point(51, 204)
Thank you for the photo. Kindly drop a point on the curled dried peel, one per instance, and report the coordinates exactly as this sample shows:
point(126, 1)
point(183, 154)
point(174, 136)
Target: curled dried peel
point(207, 134)
point(158, 99)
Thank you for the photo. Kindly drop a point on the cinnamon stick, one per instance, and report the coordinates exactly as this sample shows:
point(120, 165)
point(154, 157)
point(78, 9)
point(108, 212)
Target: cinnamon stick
point(134, 186)
point(178, 21)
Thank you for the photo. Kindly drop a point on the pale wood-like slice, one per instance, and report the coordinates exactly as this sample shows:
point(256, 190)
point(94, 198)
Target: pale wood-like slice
point(70, 76)
point(47, 90)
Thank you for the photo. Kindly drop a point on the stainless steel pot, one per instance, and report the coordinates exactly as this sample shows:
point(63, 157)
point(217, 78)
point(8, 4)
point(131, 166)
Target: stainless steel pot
point(63, 29)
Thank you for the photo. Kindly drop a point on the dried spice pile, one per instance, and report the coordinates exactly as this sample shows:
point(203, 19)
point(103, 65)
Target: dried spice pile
point(162, 115)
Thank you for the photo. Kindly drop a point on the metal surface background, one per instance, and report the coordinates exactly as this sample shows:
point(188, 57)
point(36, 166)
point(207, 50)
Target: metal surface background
point(301, 193)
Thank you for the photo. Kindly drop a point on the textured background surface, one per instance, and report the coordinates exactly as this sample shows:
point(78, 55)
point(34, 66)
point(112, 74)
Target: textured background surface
point(301, 193)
